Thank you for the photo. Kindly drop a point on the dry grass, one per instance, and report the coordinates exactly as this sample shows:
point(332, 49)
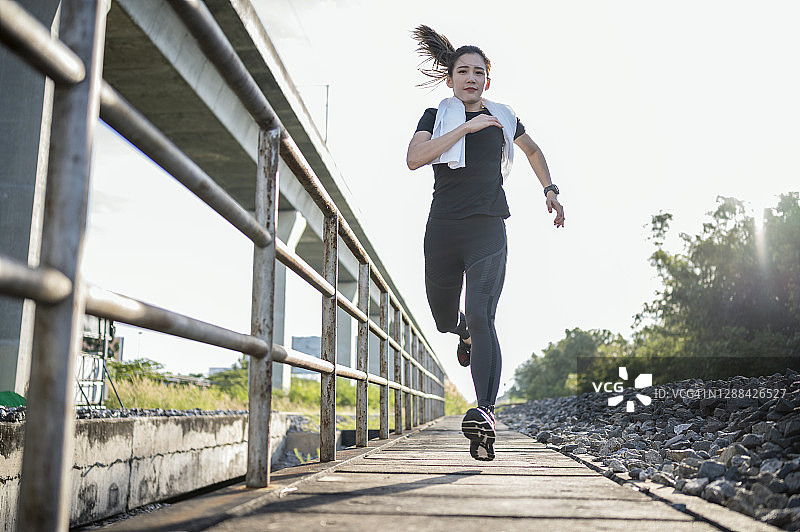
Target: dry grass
point(144, 392)
point(141, 392)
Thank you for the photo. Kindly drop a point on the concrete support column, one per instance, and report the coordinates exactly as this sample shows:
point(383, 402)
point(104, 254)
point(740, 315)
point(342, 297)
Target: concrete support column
point(26, 102)
point(291, 225)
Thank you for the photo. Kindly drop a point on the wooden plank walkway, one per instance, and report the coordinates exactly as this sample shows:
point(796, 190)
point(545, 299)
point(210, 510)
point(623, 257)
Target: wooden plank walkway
point(428, 481)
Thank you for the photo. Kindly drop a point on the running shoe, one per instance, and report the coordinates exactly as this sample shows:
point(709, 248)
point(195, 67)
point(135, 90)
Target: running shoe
point(463, 352)
point(478, 427)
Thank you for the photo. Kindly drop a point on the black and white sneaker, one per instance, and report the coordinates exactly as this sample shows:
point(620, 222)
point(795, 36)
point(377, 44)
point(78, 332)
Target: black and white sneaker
point(478, 427)
point(463, 353)
point(464, 349)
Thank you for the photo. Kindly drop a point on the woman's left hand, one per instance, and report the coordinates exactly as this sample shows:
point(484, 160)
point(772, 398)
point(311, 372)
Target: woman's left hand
point(552, 203)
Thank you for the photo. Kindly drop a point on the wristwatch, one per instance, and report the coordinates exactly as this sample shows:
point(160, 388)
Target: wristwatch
point(548, 188)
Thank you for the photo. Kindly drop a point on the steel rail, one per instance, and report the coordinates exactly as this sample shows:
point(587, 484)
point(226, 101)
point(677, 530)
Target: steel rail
point(43, 285)
point(52, 286)
point(110, 305)
point(32, 41)
point(405, 354)
point(117, 307)
point(348, 306)
point(50, 423)
point(295, 263)
point(216, 47)
point(27, 36)
point(378, 330)
point(132, 125)
point(118, 113)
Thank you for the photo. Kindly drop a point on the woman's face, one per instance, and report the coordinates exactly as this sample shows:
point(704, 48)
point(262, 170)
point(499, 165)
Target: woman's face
point(468, 79)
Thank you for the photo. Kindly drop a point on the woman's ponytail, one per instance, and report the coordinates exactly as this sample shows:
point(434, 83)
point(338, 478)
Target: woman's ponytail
point(436, 47)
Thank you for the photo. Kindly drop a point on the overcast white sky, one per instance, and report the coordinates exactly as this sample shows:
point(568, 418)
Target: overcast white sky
point(638, 107)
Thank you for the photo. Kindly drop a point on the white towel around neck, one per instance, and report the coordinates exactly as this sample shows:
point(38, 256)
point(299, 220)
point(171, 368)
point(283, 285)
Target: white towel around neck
point(452, 113)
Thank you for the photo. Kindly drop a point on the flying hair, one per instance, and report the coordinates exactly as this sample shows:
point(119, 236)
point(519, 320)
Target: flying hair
point(436, 47)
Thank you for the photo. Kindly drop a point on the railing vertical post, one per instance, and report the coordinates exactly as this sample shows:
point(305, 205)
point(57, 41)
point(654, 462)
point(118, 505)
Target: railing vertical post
point(261, 319)
point(431, 385)
point(413, 352)
point(417, 383)
point(327, 403)
point(384, 366)
point(442, 404)
point(398, 375)
point(407, 377)
point(439, 392)
point(425, 386)
point(47, 459)
point(362, 357)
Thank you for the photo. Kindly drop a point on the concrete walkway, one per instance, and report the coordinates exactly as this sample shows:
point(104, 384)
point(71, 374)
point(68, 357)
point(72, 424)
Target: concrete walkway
point(428, 481)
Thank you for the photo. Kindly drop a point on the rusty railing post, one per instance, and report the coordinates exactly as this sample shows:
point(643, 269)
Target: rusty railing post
point(362, 357)
point(415, 378)
point(327, 403)
point(384, 366)
point(443, 403)
point(261, 326)
point(425, 386)
point(44, 498)
point(407, 377)
point(398, 373)
point(429, 402)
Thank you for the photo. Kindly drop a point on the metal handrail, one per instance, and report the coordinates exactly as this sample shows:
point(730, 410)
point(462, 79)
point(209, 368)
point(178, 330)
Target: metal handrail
point(48, 286)
point(116, 307)
point(44, 285)
point(21, 32)
point(123, 117)
point(212, 41)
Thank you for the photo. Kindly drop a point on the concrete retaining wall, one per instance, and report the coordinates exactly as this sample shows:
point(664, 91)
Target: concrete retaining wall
point(120, 464)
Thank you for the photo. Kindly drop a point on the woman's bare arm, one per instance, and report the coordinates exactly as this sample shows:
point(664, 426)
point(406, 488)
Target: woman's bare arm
point(423, 149)
point(539, 166)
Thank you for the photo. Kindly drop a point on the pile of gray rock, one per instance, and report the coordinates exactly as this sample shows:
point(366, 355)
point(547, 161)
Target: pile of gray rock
point(734, 442)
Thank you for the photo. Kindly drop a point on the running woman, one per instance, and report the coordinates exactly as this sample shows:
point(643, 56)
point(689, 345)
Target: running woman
point(470, 140)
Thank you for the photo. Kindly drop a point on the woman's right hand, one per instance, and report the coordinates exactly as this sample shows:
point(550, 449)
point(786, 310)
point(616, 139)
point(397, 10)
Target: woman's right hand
point(480, 122)
point(423, 149)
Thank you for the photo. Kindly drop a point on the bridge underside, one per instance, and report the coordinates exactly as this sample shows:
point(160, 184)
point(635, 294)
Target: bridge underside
point(153, 61)
point(156, 65)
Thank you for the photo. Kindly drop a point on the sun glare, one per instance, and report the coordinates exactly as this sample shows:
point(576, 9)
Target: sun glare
point(759, 213)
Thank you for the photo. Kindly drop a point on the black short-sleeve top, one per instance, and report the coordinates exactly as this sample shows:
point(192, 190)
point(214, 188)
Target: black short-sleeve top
point(477, 188)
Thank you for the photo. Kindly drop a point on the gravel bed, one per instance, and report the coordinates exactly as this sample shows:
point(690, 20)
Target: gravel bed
point(734, 442)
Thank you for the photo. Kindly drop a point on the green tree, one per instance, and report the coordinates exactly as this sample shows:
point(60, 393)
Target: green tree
point(734, 290)
point(234, 381)
point(729, 299)
point(138, 368)
point(554, 373)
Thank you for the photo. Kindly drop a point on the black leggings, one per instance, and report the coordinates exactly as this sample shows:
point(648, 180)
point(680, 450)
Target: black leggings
point(476, 246)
